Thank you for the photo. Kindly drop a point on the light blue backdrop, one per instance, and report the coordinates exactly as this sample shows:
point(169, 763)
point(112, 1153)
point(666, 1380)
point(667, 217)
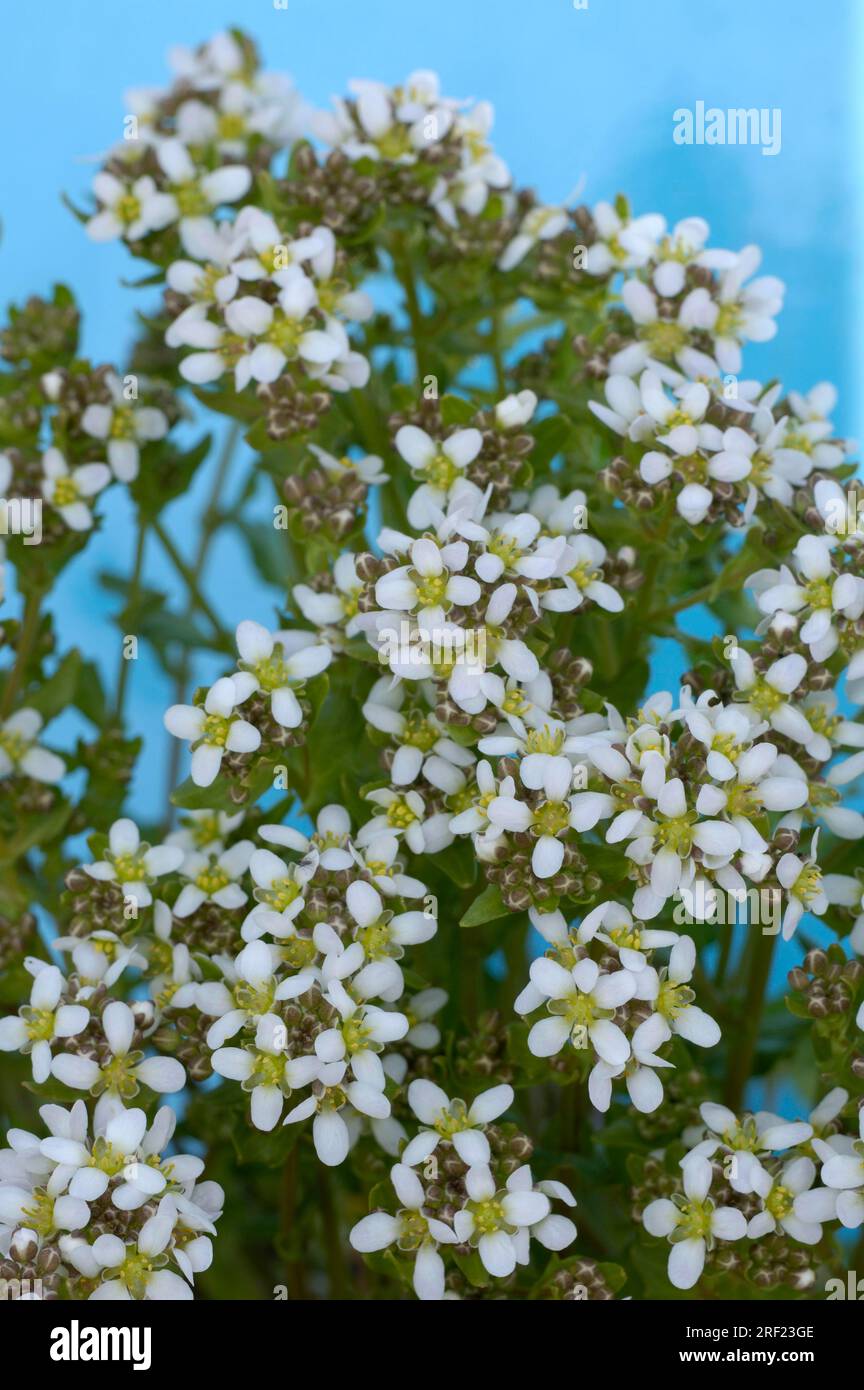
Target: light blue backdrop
point(580, 94)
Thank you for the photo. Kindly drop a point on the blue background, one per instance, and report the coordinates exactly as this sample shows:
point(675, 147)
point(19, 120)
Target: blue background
point(581, 95)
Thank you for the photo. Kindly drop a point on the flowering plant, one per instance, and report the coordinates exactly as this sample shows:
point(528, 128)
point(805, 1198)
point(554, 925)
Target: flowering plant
point(439, 846)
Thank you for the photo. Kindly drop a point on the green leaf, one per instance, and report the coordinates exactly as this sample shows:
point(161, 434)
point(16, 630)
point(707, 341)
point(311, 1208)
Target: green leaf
point(58, 693)
point(456, 411)
point(35, 831)
point(486, 908)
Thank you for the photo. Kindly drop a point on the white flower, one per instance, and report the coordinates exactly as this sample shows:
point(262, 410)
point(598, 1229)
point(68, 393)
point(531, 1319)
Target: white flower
point(210, 277)
point(480, 169)
point(583, 1001)
point(779, 1202)
point(613, 923)
point(692, 1223)
point(21, 755)
point(128, 210)
point(439, 465)
point(489, 1217)
point(644, 1086)
point(278, 893)
point(422, 745)
point(213, 878)
point(273, 662)
point(743, 312)
point(251, 990)
point(378, 855)
point(540, 224)
point(125, 426)
point(194, 193)
point(802, 880)
point(411, 1229)
point(669, 993)
point(747, 1140)
point(363, 1033)
point(125, 1070)
point(683, 247)
point(333, 610)
point(515, 410)
point(659, 337)
point(813, 586)
point(759, 456)
point(554, 1232)
point(125, 1156)
point(846, 891)
point(134, 1271)
point(381, 934)
point(843, 1172)
point(265, 1070)
point(331, 838)
point(767, 696)
point(133, 864)
point(272, 252)
point(551, 818)
point(204, 830)
point(579, 564)
point(213, 730)
point(45, 1018)
point(101, 957)
point(32, 1192)
point(69, 492)
point(622, 242)
point(419, 1010)
point(332, 1095)
point(453, 1121)
point(393, 124)
point(403, 813)
point(369, 469)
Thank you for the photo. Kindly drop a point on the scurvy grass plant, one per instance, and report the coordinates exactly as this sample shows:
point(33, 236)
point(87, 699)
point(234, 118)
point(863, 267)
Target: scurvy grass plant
point(435, 942)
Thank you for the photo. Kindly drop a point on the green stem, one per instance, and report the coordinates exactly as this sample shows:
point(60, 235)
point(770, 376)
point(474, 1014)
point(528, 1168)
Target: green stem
point(287, 1219)
point(405, 276)
point(210, 519)
point(689, 601)
point(333, 1246)
point(496, 353)
point(24, 647)
point(188, 574)
point(130, 614)
point(741, 1062)
point(723, 960)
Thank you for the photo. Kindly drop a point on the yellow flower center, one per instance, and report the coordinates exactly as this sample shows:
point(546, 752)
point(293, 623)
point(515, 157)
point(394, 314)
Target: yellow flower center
point(211, 879)
point(191, 200)
point(808, 884)
point(231, 126)
point(65, 491)
point(127, 208)
point(130, 868)
point(215, 730)
point(545, 740)
point(399, 814)
point(551, 818)
point(280, 895)
point(431, 588)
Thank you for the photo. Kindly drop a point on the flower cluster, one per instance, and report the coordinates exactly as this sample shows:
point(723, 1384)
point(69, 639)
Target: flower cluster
point(441, 764)
point(619, 1009)
point(104, 1213)
point(771, 1183)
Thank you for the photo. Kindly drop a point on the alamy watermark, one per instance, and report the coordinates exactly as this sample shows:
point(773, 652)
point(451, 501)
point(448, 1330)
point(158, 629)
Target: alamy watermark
point(719, 907)
point(440, 648)
point(21, 516)
point(844, 516)
point(735, 126)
